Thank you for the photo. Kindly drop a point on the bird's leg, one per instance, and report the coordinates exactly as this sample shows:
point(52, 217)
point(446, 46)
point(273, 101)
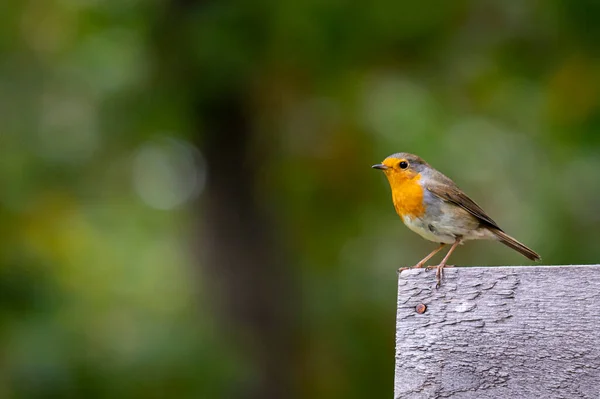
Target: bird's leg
point(424, 260)
point(440, 268)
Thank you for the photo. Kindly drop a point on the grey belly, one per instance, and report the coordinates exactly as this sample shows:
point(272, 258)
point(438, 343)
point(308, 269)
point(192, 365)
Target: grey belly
point(429, 230)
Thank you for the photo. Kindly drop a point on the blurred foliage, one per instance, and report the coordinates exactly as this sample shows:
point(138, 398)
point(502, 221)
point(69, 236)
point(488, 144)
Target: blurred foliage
point(100, 290)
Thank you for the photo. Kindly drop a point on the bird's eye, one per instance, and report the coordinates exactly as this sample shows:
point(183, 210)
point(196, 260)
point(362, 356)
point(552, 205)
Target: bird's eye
point(403, 165)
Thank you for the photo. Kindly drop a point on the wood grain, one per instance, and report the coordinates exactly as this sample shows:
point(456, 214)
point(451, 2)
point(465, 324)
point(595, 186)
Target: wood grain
point(499, 332)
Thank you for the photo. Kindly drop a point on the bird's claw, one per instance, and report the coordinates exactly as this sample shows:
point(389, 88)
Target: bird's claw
point(439, 273)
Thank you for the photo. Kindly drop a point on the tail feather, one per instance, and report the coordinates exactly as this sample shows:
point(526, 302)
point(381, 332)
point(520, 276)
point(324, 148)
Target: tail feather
point(516, 245)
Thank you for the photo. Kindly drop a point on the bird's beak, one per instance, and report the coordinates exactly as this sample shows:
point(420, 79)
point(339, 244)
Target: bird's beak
point(379, 166)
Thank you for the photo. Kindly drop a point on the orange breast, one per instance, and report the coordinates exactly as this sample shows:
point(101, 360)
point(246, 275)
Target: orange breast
point(407, 195)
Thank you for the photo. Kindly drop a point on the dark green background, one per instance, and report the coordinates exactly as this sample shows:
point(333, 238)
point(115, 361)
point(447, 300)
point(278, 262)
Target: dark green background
point(187, 208)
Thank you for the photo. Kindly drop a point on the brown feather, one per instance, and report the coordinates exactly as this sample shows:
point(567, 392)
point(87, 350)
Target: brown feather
point(456, 196)
point(514, 244)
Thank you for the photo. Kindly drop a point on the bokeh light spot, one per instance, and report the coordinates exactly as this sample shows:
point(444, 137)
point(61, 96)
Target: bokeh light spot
point(168, 172)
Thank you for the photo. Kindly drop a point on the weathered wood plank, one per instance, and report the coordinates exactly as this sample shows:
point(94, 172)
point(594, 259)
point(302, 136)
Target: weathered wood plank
point(499, 332)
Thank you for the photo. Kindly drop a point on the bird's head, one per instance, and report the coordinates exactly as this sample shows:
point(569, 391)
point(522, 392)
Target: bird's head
point(401, 166)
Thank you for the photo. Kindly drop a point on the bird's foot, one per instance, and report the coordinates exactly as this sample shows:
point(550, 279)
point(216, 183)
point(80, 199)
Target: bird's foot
point(439, 273)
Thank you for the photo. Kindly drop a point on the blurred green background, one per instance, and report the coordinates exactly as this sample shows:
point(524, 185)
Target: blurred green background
point(187, 208)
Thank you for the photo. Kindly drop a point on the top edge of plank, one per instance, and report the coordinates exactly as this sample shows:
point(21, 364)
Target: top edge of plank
point(520, 268)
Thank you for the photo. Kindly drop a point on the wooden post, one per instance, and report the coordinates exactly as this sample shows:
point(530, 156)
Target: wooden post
point(499, 332)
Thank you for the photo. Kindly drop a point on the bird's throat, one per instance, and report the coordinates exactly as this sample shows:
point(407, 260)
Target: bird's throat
point(407, 195)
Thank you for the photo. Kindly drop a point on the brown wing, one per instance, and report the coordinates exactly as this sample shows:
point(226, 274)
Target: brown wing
point(456, 196)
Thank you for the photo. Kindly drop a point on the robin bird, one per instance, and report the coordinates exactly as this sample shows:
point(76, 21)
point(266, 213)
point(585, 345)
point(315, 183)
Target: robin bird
point(432, 205)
